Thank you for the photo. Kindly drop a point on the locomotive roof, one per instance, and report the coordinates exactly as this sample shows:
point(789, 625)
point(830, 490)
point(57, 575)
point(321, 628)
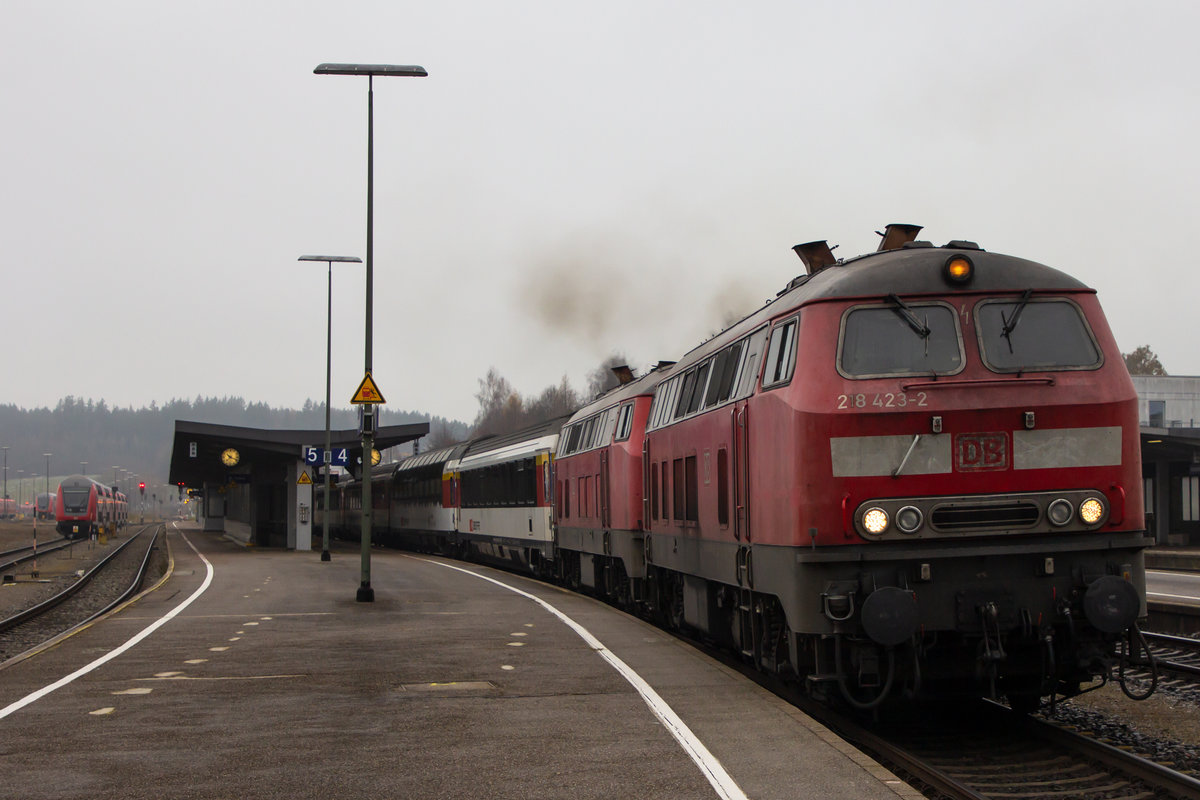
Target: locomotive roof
point(916, 268)
point(912, 270)
point(638, 386)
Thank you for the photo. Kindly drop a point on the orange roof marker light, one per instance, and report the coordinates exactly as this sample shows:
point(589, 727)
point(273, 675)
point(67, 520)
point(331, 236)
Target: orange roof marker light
point(959, 270)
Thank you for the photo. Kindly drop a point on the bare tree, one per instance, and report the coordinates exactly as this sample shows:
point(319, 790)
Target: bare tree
point(554, 401)
point(1143, 361)
point(500, 407)
point(440, 435)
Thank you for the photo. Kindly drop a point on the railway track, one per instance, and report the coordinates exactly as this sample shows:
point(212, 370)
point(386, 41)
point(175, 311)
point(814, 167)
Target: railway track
point(1176, 654)
point(110, 582)
point(1175, 669)
point(9, 559)
point(988, 752)
point(992, 752)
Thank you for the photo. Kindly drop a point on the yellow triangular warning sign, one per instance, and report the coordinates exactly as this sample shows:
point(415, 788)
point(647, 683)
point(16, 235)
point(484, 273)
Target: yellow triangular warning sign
point(304, 479)
point(367, 392)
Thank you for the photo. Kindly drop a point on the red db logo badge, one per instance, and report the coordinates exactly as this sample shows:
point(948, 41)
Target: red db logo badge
point(977, 452)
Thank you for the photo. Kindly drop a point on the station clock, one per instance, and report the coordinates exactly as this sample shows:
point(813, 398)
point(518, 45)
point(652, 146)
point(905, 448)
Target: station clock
point(230, 457)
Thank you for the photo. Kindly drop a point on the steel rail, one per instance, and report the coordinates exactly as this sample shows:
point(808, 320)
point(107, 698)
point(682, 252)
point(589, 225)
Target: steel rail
point(1176, 783)
point(30, 613)
point(50, 547)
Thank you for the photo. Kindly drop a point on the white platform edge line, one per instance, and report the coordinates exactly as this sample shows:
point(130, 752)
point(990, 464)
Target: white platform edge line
point(109, 656)
point(709, 765)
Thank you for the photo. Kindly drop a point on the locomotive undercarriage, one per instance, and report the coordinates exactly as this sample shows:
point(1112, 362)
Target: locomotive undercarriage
point(870, 626)
point(867, 628)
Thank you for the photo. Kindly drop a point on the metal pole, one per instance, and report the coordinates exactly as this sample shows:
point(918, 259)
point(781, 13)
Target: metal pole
point(328, 457)
point(365, 593)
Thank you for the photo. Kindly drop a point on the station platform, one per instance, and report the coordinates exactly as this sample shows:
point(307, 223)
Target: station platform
point(1174, 559)
point(265, 678)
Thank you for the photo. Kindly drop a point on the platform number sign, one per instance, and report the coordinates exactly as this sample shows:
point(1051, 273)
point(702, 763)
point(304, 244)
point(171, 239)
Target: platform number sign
point(339, 456)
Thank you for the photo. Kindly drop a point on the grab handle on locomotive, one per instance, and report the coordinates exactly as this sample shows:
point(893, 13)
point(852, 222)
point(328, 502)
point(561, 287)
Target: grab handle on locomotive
point(838, 607)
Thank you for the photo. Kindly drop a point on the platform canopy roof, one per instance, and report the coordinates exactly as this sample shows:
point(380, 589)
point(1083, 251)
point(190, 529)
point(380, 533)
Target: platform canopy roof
point(260, 448)
point(1176, 444)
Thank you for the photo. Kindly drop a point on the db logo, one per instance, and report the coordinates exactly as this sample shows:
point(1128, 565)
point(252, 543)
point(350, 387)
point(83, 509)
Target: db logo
point(976, 452)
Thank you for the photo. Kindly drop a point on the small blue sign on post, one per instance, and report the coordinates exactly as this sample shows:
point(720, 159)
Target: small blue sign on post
point(339, 456)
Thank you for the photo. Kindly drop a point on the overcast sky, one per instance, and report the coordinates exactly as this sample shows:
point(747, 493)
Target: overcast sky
point(572, 179)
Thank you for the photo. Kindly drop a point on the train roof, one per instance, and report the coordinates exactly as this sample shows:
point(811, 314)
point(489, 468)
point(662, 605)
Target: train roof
point(432, 458)
point(518, 444)
point(917, 268)
point(638, 386)
point(911, 270)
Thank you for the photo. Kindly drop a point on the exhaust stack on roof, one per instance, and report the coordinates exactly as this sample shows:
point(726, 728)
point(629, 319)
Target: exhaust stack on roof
point(815, 255)
point(896, 236)
point(624, 373)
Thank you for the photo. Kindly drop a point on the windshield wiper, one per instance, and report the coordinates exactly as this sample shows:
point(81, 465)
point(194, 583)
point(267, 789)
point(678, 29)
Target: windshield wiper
point(905, 313)
point(1010, 325)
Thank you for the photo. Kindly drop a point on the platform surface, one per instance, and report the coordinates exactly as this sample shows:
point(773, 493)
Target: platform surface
point(274, 682)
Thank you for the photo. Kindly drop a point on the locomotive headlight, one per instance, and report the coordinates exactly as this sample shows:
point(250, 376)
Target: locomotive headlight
point(1059, 512)
point(875, 520)
point(1091, 511)
point(909, 519)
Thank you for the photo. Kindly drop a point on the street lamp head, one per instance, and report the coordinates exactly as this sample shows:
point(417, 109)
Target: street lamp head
point(338, 259)
point(412, 71)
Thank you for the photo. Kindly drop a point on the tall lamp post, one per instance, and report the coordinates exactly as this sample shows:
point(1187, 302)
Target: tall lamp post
point(47, 455)
point(5, 448)
point(365, 593)
point(328, 457)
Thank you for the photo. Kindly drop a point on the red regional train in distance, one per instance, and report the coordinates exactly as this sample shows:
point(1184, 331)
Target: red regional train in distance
point(84, 507)
point(915, 474)
point(43, 505)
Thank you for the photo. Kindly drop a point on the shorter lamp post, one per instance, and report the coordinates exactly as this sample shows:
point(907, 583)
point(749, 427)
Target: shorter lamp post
point(328, 457)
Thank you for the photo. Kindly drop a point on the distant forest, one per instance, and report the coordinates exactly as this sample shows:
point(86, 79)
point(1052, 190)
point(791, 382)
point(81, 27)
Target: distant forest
point(138, 441)
point(76, 432)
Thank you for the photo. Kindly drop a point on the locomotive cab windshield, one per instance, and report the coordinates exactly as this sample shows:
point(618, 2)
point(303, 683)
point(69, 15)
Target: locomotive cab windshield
point(1053, 335)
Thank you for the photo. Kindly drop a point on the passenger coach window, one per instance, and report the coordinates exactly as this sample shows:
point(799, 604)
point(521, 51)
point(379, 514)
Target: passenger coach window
point(900, 339)
point(1026, 334)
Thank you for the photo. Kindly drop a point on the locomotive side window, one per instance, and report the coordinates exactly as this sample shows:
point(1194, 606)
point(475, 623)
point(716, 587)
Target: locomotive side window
point(685, 394)
point(678, 496)
point(725, 366)
point(573, 441)
point(1024, 334)
point(692, 482)
point(749, 371)
point(625, 423)
point(899, 339)
point(698, 390)
point(781, 355)
point(654, 491)
point(723, 486)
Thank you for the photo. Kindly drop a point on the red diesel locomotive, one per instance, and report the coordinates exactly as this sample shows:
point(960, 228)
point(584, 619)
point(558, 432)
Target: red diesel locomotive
point(916, 472)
